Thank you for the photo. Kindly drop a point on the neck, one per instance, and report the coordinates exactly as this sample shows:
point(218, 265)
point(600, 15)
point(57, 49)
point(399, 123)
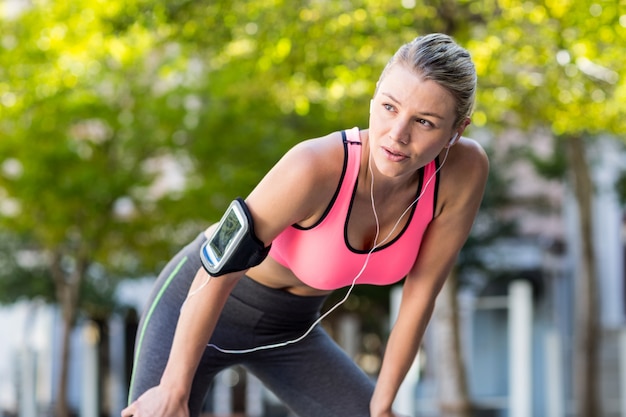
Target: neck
point(385, 187)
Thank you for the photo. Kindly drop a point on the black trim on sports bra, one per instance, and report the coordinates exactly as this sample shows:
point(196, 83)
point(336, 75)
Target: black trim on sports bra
point(395, 239)
point(436, 192)
point(345, 141)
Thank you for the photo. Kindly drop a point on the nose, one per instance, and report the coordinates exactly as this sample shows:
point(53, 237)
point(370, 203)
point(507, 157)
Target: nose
point(400, 132)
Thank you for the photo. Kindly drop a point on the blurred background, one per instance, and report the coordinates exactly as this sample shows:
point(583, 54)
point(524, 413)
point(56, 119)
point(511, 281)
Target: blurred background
point(128, 126)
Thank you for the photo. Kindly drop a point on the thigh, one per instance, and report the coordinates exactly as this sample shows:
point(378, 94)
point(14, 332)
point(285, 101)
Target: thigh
point(315, 378)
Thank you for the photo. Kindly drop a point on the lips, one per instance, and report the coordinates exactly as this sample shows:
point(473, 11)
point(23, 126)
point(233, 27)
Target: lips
point(394, 155)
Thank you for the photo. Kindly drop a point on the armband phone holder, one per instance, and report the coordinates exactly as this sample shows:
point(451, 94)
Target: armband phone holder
point(233, 246)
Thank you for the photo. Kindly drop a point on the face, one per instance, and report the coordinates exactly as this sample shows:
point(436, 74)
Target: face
point(411, 121)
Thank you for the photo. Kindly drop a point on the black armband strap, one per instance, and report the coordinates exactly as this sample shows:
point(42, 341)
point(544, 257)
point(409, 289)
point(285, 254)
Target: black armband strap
point(233, 246)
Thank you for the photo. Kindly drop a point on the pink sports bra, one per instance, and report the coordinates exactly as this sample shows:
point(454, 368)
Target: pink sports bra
point(321, 256)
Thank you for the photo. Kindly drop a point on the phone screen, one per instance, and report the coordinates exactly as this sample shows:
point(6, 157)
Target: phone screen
point(229, 229)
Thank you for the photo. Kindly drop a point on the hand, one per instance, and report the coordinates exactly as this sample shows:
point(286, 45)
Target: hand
point(157, 402)
point(388, 413)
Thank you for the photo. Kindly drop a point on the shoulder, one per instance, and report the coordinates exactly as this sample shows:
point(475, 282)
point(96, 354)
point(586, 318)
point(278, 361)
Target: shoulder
point(468, 153)
point(463, 174)
point(300, 184)
point(314, 161)
point(467, 162)
point(319, 151)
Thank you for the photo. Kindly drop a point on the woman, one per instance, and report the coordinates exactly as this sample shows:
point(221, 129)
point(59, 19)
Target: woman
point(361, 206)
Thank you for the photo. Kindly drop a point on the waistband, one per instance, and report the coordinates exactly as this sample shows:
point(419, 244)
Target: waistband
point(277, 301)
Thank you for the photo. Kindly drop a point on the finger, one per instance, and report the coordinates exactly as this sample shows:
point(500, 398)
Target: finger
point(129, 411)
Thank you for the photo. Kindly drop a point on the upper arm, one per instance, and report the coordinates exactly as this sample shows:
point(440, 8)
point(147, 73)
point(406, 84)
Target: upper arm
point(295, 188)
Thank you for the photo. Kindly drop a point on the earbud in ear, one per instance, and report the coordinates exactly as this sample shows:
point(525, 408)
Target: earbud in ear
point(453, 139)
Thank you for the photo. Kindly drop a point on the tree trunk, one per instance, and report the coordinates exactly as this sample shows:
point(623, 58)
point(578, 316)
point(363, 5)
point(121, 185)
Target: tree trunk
point(61, 408)
point(587, 334)
point(67, 286)
point(453, 393)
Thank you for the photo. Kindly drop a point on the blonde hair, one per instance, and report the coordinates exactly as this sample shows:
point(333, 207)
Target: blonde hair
point(439, 58)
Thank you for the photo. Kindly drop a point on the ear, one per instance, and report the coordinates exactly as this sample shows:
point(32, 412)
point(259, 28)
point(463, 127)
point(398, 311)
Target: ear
point(457, 134)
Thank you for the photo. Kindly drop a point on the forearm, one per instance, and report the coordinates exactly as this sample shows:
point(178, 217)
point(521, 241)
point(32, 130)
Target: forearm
point(398, 358)
point(400, 353)
point(193, 331)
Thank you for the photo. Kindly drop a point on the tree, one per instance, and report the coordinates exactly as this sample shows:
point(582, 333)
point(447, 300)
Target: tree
point(559, 65)
point(83, 147)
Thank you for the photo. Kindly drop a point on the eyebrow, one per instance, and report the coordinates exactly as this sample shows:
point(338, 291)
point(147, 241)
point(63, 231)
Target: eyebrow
point(392, 98)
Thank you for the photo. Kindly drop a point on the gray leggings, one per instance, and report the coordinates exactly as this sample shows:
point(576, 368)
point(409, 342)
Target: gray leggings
point(313, 377)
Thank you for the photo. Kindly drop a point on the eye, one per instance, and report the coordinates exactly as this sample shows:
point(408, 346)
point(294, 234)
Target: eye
point(425, 122)
point(389, 107)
